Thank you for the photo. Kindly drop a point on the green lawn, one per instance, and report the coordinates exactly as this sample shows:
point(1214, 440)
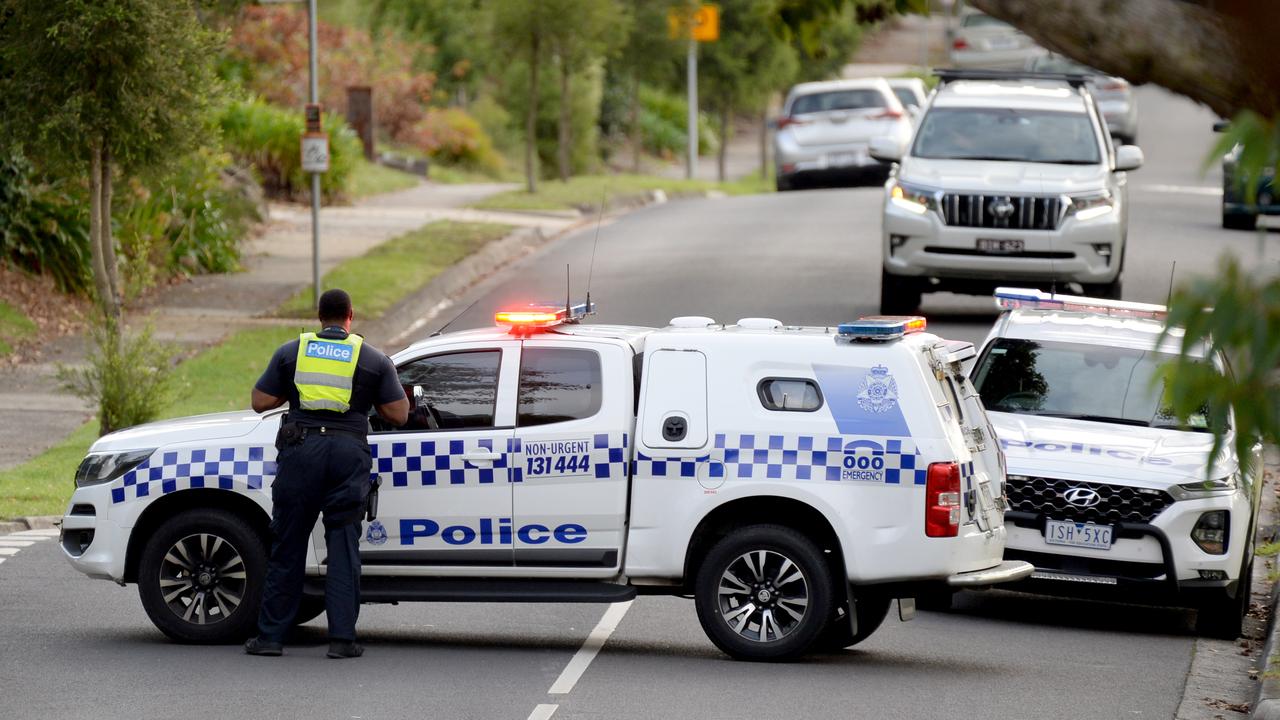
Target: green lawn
point(373, 179)
point(215, 380)
point(586, 191)
point(383, 276)
point(14, 326)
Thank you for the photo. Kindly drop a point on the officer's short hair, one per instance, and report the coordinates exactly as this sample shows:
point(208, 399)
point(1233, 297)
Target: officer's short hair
point(334, 306)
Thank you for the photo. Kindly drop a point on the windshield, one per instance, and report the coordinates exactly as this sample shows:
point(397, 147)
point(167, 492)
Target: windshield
point(1041, 136)
point(838, 100)
point(1079, 381)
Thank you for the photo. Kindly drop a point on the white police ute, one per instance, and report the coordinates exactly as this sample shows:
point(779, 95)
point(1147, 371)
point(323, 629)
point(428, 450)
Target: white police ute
point(793, 480)
point(1108, 494)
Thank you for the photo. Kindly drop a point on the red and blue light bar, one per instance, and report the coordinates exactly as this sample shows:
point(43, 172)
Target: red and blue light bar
point(539, 316)
point(1008, 298)
point(881, 327)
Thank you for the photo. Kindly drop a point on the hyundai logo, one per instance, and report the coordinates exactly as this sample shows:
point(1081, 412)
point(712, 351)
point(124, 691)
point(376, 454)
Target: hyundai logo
point(1001, 208)
point(1082, 497)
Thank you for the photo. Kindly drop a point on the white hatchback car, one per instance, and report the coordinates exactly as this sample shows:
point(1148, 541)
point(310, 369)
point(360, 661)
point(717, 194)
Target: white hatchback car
point(1011, 177)
point(981, 41)
point(1109, 496)
point(826, 128)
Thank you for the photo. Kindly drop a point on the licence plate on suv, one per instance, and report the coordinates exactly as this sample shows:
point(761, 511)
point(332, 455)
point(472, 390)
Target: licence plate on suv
point(999, 246)
point(1078, 534)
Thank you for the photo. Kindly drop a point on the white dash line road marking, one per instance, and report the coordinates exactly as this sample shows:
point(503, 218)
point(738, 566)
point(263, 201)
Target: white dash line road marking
point(1180, 189)
point(9, 550)
point(5, 542)
point(595, 641)
point(41, 533)
point(543, 712)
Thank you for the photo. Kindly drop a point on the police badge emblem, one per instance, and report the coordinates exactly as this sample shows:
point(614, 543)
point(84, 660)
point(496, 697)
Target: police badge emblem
point(879, 391)
point(376, 534)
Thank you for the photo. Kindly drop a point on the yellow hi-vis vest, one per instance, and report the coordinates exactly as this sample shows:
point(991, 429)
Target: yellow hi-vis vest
point(325, 371)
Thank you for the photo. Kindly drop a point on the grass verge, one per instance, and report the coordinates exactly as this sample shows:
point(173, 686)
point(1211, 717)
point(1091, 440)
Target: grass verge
point(14, 327)
point(586, 191)
point(373, 179)
point(381, 277)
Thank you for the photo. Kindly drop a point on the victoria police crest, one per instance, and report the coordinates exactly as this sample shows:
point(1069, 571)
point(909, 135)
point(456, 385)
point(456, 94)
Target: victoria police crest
point(377, 534)
point(879, 391)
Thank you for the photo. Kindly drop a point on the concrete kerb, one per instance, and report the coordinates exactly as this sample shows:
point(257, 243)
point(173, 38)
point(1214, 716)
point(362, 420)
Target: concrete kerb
point(34, 522)
point(1267, 704)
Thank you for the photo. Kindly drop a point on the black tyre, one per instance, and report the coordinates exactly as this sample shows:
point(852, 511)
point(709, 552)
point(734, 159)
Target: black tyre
point(782, 183)
point(764, 593)
point(1239, 221)
point(899, 295)
point(200, 577)
point(1110, 291)
point(309, 608)
point(1222, 617)
point(871, 610)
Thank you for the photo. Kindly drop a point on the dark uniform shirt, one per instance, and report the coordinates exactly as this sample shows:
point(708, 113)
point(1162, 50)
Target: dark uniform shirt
point(375, 383)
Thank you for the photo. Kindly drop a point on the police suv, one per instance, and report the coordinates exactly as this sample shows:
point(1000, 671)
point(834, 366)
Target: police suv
point(782, 476)
point(1108, 494)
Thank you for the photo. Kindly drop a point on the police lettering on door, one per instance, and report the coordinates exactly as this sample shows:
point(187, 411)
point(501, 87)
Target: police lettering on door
point(557, 457)
point(490, 531)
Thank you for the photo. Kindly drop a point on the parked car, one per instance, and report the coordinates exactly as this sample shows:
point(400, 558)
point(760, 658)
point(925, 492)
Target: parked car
point(825, 129)
point(981, 41)
point(1010, 176)
point(1237, 212)
point(1114, 95)
point(911, 92)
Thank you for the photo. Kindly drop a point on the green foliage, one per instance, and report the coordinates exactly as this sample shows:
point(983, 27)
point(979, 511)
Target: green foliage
point(454, 31)
point(133, 74)
point(268, 138)
point(745, 66)
point(131, 378)
point(585, 90)
point(663, 118)
point(14, 327)
point(373, 179)
point(1238, 314)
point(44, 228)
point(453, 137)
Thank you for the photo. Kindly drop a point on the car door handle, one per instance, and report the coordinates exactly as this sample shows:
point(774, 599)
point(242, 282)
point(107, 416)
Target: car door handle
point(481, 456)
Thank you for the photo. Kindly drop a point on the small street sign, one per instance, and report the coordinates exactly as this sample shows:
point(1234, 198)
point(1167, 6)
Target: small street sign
point(315, 153)
point(702, 25)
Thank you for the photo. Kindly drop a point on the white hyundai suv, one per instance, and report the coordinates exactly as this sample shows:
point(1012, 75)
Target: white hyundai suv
point(1010, 178)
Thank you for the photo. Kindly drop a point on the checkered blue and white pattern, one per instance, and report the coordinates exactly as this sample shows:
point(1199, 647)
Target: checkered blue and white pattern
point(793, 457)
point(429, 462)
point(232, 468)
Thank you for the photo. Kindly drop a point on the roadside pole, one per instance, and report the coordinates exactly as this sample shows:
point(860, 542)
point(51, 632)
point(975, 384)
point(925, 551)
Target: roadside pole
point(691, 167)
point(314, 100)
point(693, 23)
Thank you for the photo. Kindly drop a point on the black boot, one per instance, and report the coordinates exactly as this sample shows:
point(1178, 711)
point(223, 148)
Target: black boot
point(339, 649)
point(266, 648)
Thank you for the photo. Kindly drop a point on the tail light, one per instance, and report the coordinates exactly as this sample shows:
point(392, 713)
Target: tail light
point(789, 121)
point(887, 115)
point(960, 44)
point(942, 500)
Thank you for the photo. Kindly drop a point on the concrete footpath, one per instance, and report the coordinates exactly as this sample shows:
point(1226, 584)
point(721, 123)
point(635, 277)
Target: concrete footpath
point(36, 414)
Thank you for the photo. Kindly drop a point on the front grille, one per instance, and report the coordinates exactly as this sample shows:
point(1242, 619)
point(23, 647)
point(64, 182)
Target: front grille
point(1119, 503)
point(1002, 211)
point(1037, 254)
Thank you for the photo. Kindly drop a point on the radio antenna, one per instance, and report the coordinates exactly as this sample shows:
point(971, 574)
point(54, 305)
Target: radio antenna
point(568, 294)
point(1169, 298)
point(604, 199)
point(455, 317)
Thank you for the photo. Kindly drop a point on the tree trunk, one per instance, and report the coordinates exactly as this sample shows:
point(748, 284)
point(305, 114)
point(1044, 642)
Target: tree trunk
point(1221, 53)
point(566, 113)
point(531, 116)
point(107, 236)
point(635, 124)
point(721, 156)
point(101, 285)
point(764, 142)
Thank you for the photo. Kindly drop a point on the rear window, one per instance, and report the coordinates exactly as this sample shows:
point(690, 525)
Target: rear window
point(980, 20)
point(557, 385)
point(838, 100)
point(906, 96)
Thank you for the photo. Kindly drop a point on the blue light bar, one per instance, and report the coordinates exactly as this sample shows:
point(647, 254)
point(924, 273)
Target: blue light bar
point(1032, 299)
point(881, 327)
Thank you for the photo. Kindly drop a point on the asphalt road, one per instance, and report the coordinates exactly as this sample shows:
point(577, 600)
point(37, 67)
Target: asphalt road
point(73, 647)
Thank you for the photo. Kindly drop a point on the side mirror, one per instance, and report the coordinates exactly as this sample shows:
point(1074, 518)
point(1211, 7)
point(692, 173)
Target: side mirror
point(1221, 125)
point(885, 149)
point(1128, 157)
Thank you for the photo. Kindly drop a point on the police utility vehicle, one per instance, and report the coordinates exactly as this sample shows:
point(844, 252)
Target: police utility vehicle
point(792, 480)
point(1108, 494)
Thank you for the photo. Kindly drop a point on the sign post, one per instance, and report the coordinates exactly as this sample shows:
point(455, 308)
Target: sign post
point(317, 147)
point(697, 24)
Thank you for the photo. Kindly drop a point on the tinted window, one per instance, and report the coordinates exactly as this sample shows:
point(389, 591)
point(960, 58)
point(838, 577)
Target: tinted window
point(1080, 381)
point(453, 391)
point(556, 385)
point(1007, 134)
point(791, 394)
point(980, 20)
point(838, 100)
point(906, 96)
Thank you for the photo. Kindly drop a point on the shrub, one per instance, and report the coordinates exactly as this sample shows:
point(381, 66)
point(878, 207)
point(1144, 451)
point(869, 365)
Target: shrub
point(129, 378)
point(453, 137)
point(44, 228)
point(268, 139)
point(664, 117)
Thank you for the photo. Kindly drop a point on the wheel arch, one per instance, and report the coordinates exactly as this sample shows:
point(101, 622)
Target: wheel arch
point(762, 509)
point(169, 505)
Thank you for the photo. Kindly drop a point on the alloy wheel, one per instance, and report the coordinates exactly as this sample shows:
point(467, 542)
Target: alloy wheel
point(763, 596)
point(203, 578)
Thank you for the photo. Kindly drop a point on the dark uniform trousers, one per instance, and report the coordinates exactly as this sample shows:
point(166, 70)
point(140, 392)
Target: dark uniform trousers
point(324, 473)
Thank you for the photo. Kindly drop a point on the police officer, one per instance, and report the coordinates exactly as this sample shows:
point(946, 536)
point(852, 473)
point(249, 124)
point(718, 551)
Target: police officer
point(331, 379)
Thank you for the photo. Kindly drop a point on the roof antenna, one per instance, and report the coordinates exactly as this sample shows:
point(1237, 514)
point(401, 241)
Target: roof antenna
point(604, 198)
point(455, 317)
point(568, 294)
point(1169, 299)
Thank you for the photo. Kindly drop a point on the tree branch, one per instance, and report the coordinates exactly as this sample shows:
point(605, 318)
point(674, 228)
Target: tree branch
point(1221, 54)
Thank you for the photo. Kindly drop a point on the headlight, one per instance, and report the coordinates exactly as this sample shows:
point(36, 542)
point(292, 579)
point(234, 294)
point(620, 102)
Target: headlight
point(1090, 205)
point(1203, 488)
point(98, 469)
point(913, 198)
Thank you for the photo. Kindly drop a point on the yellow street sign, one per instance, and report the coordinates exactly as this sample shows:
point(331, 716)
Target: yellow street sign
point(702, 24)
